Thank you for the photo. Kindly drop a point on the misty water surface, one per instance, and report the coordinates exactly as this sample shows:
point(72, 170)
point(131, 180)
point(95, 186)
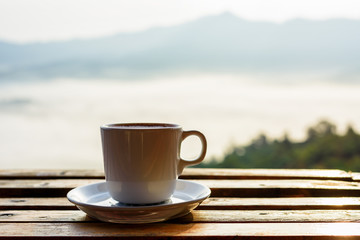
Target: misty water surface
point(55, 124)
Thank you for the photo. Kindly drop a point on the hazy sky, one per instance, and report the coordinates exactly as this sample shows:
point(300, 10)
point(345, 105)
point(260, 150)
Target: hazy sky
point(44, 20)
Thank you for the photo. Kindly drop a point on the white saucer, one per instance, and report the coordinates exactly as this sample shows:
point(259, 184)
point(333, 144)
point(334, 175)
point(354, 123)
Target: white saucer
point(94, 200)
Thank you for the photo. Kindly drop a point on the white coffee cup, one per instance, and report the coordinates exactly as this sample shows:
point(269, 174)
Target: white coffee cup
point(142, 160)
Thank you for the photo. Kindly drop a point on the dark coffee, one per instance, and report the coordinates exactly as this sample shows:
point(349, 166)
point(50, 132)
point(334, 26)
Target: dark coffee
point(141, 126)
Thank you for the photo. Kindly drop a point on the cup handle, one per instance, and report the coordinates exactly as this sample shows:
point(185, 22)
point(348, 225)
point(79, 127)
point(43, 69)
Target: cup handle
point(183, 163)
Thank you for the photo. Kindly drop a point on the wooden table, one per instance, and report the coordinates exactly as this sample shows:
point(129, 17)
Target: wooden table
point(244, 204)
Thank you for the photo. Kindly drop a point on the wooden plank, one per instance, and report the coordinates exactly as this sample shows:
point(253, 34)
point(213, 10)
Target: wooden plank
point(219, 188)
point(213, 203)
point(41, 187)
point(267, 216)
point(44, 216)
point(58, 203)
point(306, 203)
point(183, 231)
point(355, 176)
point(189, 173)
point(282, 188)
point(197, 216)
point(46, 183)
point(257, 173)
point(51, 173)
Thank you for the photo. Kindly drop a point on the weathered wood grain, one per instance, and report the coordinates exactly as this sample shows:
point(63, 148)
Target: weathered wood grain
point(51, 174)
point(183, 231)
point(219, 188)
point(282, 188)
point(213, 203)
point(58, 203)
point(197, 216)
point(189, 173)
point(244, 204)
point(40, 187)
point(268, 216)
point(355, 176)
point(302, 203)
point(257, 173)
point(44, 216)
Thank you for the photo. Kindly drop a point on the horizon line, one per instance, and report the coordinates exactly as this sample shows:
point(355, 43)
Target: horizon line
point(129, 32)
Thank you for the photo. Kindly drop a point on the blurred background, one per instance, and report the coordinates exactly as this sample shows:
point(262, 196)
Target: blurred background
point(270, 83)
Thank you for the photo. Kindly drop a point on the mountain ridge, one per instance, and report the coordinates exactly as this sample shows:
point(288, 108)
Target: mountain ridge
point(214, 43)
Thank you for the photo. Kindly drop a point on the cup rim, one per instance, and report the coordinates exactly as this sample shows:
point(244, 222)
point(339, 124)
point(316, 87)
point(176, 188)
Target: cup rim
point(140, 126)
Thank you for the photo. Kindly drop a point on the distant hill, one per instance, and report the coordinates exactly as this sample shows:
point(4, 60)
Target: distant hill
point(222, 43)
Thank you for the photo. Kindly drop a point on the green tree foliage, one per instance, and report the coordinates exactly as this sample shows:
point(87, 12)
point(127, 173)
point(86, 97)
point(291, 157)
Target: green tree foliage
point(323, 148)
